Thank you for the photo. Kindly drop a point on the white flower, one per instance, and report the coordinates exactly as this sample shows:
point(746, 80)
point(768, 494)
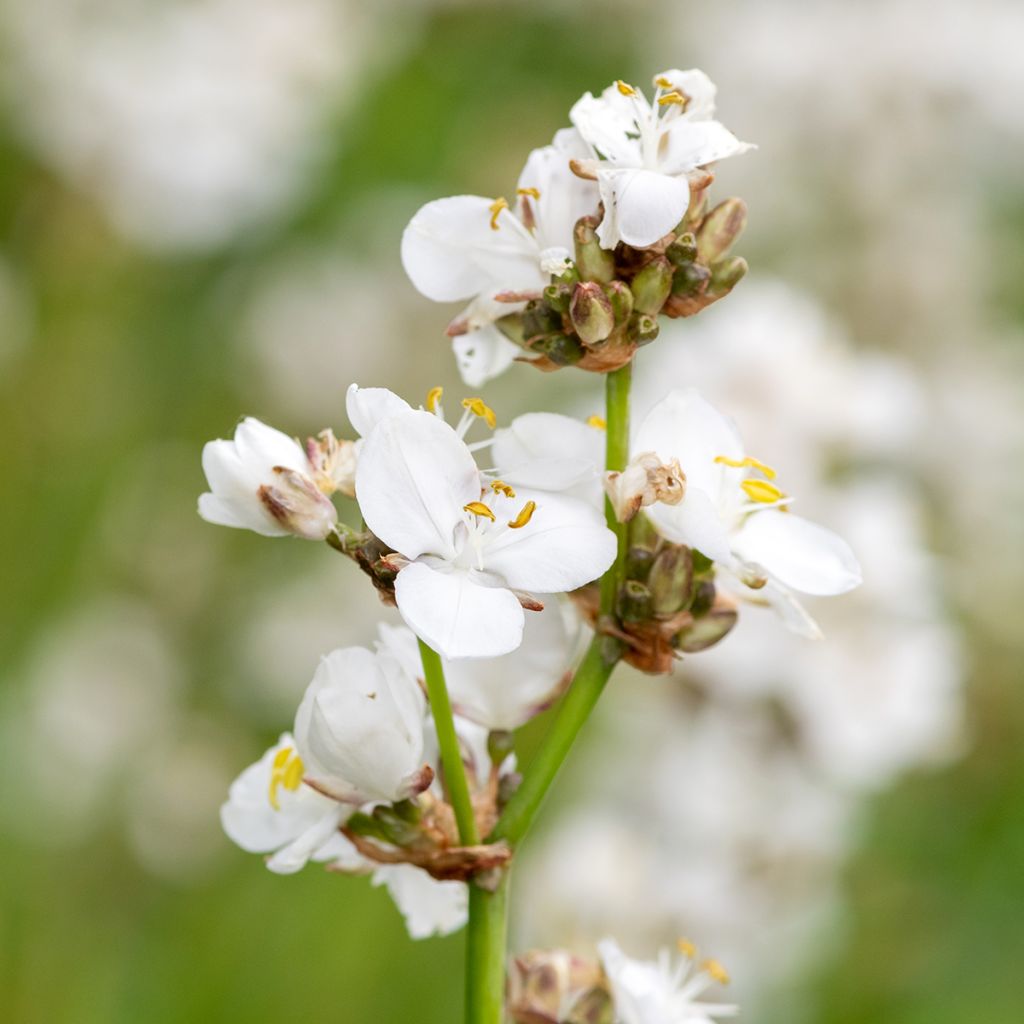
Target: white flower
point(263, 481)
point(271, 810)
point(734, 514)
point(430, 907)
point(660, 992)
point(470, 247)
point(644, 151)
point(470, 547)
point(359, 728)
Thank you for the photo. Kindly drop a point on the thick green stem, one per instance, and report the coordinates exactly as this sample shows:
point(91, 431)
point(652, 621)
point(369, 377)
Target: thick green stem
point(451, 756)
point(601, 656)
point(485, 954)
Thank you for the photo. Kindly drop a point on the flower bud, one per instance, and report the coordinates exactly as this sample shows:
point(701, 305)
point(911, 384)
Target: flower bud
point(671, 580)
point(726, 274)
point(359, 728)
point(539, 319)
point(558, 296)
point(707, 630)
point(651, 286)
point(634, 603)
point(591, 313)
point(643, 328)
point(621, 299)
point(645, 480)
point(592, 262)
point(690, 279)
point(561, 349)
point(556, 987)
point(297, 504)
point(721, 227)
point(682, 250)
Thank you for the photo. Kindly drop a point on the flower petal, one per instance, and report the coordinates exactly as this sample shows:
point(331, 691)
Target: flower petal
point(697, 88)
point(685, 426)
point(413, 478)
point(430, 907)
point(450, 251)
point(366, 407)
point(688, 144)
point(297, 854)
point(639, 206)
point(695, 522)
point(797, 552)
point(457, 616)
point(483, 354)
point(608, 123)
point(565, 545)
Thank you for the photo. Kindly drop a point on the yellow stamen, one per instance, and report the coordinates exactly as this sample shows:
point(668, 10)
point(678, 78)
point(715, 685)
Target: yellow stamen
point(281, 757)
point(762, 491)
point(478, 407)
point(715, 970)
point(625, 88)
point(433, 397)
point(662, 82)
point(478, 508)
point(496, 207)
point(674, 97)
point(748, 463)
point(597, 422)
point(500, 487)
point(525, 515)
point(293, 774)
point(534, 193)
point(687, 948)
point(286, 770)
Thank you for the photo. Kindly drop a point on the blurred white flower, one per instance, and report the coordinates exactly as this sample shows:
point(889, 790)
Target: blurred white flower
point(263, 481)
point(641, 152)
point(661, 992)
point(429, 907)
point(469, 247)
point(470, 549)
point(359, 728)
point(271, 810)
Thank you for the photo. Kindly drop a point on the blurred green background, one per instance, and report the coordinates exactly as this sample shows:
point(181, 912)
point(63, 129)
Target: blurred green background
point(152, 290)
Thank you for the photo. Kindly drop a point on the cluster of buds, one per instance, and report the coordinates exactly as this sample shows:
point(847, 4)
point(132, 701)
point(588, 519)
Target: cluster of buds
point(557, 987)
point(667, 604)
point(605, 305)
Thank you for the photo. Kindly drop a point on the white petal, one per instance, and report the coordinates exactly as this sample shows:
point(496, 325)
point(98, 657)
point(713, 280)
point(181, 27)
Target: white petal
point(430, 907)
point(793, 614)
point(366, 407)
point(246, 515)
point(550, 452)
point(695, 522)
point(298, 853)
point(688, 144)
point(565, 545)
point(456, 616)
point(697, 87)
point(608, 123)
point(799, 553)
point(413, 478)
point(450, 251)
point(483, 355)
point(640, 206)
point(260, 445)
point(684, 426)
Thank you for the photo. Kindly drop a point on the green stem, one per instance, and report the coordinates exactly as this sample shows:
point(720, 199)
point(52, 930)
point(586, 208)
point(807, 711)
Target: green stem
point(451, 755)
point(485, 954)
point(603, 653)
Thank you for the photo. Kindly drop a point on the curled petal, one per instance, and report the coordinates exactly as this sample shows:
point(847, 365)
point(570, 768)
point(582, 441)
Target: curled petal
point(640, 206)
point(688, 144)
point(366, 407)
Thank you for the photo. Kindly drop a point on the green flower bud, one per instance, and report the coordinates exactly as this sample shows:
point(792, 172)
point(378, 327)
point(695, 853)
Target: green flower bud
point(592, 262)
point(634, 603)
point(621, 299)
point(643, 328)
point(513, 329)
point(638, 563)
point(591, 313)
point(721, 227)
point(690, 279)
point(671, 580)
point(652, 285)
point(561, 349)
point(682, 250)
point(593, 1007)
point(558, 296)
point(539, 318)
point(706, 631)
point(726, 274)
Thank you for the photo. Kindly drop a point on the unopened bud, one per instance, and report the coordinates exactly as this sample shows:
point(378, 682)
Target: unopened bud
point(645, 480)
point(643, 328)
point(704, 598)
point(298, 504)
point(621, 299)
point(592, 262)
point(726, 274)
point(690, 279)
point(544, 984)
point(721, 227)
point(513, 328)
point(634, 603)
point(671, 580)
point(539, 318)
point(558, 296)
point(707, 630)
point(682, 250)
point(561, 349)
point(652, 285)
point(594, 1006)
point(591, 313)
point(638, 563)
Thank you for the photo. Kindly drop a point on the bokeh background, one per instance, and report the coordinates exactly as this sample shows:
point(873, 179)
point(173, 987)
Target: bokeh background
point(200, 208)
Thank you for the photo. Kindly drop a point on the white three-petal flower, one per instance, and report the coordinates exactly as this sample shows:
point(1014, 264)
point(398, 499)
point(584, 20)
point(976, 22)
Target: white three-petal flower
point(417, 485)
point(643, 151)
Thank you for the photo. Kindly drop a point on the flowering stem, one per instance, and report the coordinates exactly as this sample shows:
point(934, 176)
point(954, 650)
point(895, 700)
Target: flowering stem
point(485, 953)
point(451, 756)
point(603, 653)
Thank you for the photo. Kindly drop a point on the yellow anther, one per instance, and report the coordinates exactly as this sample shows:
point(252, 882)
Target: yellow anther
point(625, 88)
point(525, 515)
point(662, 82)
point(286, 770)
point(533, 193)
point(687, 948)
point(496, 207)
point(762, 491)
point(433, 397)
point(281, 757)
point(478, 407)
point(500, 487)
point(478, 508)
point(715, 970)
point(293, 774)
point(747, 463)
point(674, 97)
point(597, 422)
